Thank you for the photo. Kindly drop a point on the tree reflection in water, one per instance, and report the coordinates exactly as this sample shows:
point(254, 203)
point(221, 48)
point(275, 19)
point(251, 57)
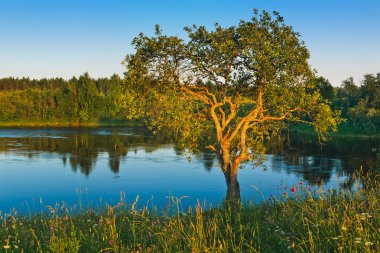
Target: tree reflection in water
point(80, 148)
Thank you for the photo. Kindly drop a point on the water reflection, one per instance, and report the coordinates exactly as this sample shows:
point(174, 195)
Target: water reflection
point(81, 149)
point(342, 157)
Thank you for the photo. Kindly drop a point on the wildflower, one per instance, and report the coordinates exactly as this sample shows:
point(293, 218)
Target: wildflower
point(6, 246)
point(309, 189)
point(368, 243)
point(343, 228)
point(285, 193)
point(111, 241)
point(293, 190)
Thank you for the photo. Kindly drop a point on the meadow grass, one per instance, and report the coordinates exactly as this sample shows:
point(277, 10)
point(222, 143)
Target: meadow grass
point(301, 221)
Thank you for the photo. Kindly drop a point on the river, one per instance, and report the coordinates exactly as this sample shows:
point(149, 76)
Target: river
point(88, 167)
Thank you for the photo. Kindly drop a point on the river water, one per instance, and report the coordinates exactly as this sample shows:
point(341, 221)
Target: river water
point(88, 167)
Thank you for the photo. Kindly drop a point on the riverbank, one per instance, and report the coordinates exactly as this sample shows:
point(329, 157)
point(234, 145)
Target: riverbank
point(101, 123)
point(343, 131)
point(300, 222)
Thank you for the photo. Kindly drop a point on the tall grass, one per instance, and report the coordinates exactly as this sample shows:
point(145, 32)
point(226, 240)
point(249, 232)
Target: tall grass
point(303, 221)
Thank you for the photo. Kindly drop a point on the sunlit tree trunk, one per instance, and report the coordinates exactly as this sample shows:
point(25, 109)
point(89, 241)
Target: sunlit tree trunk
point(233, 187)
point(230, 170)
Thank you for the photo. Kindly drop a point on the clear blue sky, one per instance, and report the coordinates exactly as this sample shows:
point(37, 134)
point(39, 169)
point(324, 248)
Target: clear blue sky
point(63, 38)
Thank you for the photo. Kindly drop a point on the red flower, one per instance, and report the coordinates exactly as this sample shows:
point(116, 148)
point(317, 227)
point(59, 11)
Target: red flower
point(110, 242)
point(293, 189)
point(285, 193)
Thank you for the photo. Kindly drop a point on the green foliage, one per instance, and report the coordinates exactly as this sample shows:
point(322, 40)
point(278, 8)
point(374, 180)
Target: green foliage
point(325, 88)
point(12, 84)
point(365, 114)
point(360, 105)
point(48, 100)
point(238, 85)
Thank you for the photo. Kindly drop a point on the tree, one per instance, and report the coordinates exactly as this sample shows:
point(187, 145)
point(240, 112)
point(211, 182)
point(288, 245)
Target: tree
point(371, 90)
point(348, 95)
point(87, 98)
point(364, 111)
point(229, 89)
point(325, 88)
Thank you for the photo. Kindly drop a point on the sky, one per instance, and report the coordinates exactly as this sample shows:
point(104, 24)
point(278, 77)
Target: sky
point(65, 38)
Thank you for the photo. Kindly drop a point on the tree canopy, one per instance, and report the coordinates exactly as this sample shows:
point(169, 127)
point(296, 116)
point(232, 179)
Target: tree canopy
point(230, 88)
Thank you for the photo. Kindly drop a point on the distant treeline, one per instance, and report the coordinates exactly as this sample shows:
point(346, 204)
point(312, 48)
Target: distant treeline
point(86, 99)
point(82, 99)
point(359, 105)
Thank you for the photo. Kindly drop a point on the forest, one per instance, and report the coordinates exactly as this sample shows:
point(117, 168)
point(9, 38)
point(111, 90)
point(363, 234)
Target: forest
point(77, 100)
point(85, 99)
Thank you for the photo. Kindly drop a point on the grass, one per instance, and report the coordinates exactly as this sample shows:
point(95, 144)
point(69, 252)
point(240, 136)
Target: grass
point(302, 221)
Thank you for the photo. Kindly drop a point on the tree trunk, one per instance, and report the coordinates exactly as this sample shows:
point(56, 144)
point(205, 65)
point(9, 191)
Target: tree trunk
point(233, 188)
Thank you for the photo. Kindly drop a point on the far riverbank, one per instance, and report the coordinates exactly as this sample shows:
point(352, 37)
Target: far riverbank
point(101, 123)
